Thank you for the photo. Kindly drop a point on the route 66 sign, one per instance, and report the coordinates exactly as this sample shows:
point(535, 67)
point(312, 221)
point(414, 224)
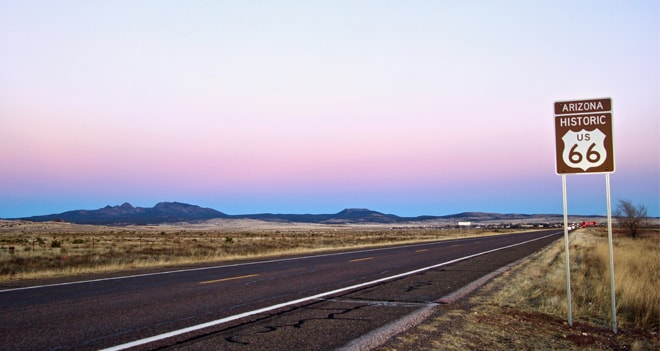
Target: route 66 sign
point(584, 136)
point(584, 149)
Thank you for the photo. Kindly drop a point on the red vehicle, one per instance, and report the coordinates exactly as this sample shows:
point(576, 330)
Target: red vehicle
point(588, 224)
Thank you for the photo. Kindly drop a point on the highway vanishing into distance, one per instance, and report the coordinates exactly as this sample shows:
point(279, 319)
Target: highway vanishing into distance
point(316, 302)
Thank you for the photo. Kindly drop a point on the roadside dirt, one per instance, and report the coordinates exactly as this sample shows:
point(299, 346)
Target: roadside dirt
point(476, 325)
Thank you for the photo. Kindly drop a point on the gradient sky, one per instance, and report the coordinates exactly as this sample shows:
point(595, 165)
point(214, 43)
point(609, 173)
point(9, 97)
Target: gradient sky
point(403, 107)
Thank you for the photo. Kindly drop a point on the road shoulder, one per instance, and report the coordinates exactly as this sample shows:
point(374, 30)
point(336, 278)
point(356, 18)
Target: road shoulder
point(480, 322)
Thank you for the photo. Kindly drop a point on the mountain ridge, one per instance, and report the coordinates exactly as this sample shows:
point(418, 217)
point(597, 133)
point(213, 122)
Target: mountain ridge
point(162, 212)
point(172, 212)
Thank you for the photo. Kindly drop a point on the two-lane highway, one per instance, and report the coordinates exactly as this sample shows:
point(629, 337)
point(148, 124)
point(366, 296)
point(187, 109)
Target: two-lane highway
point(138, 310)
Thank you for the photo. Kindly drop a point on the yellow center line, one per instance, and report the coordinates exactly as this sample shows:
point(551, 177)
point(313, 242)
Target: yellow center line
point(226, 279)
point(361, 259)
point(422, 250)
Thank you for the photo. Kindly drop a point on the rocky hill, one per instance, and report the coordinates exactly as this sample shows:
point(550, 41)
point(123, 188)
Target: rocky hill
point(171, 212)
point(163, 212)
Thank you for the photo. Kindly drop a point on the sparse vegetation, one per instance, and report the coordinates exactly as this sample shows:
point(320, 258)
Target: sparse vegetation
point(75, 249)
point(636, 263)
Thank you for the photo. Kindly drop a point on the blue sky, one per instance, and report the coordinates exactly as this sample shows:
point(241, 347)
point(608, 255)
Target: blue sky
point(411, 108)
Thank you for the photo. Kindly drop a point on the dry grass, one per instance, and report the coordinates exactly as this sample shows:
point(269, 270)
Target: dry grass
point(637, 278)
point(41, 250)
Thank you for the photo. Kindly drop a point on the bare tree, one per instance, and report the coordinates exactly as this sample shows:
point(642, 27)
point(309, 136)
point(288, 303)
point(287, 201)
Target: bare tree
point(630, 216)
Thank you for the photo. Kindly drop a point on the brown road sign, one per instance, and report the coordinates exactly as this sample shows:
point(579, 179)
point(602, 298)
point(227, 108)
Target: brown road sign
point(583, 136)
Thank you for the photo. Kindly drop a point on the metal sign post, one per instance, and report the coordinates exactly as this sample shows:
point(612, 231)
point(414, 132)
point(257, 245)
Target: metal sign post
point(569, 309)
point(609, 242)
point(583, 136)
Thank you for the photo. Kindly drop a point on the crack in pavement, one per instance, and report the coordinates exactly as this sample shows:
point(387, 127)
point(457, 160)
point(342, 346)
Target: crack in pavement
point(299, 324)
point(392, 303)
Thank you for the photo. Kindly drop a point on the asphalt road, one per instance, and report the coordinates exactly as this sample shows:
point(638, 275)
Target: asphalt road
point(319, 302)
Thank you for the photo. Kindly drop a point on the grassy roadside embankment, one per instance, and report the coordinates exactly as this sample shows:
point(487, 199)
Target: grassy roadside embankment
point(525, 308)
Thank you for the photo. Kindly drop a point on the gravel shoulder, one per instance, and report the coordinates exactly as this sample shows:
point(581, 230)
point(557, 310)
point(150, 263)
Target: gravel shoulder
point(478, 324)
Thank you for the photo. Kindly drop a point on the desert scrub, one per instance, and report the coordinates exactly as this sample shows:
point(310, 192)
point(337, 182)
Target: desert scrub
point(637, 274)
point(541, 284)
point(96, 249)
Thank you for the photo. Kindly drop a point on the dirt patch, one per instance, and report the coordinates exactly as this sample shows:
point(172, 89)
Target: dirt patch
point(477, 325)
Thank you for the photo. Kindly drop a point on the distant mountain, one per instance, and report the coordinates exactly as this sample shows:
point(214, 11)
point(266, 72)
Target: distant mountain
point(486, 216)
point(364, 215)
point(163, 212)
point(349, 215)
point(170, 212)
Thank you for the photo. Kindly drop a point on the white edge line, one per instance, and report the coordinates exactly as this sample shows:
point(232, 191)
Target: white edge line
point(304, 299)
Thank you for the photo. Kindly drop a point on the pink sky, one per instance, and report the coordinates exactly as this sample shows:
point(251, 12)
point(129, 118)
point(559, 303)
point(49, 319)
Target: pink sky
point(410, 109)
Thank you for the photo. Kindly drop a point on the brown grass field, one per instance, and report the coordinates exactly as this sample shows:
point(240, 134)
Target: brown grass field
point(30, 250)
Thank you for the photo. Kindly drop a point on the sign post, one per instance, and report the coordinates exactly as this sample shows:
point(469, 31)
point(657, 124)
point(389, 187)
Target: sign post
point(583, 138)
point(569, 303)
